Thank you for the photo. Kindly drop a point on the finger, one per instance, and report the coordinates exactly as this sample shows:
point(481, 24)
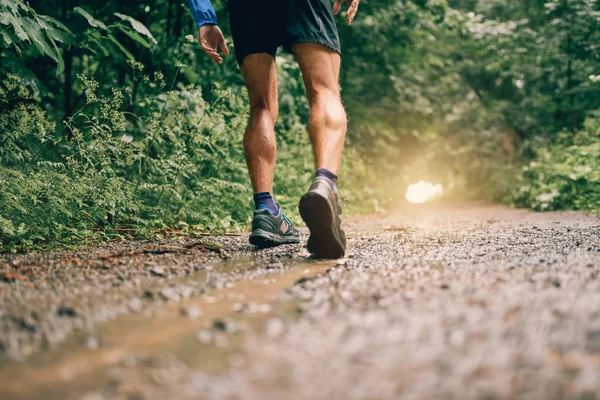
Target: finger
point(212, 53)
point(207, 49)
point(216, 58)
point(336, 7)
point(352, 11)
point(224, 48)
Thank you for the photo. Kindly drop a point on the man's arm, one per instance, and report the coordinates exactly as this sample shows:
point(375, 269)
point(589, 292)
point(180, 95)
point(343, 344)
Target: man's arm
point(209, 34)
point(203, 12)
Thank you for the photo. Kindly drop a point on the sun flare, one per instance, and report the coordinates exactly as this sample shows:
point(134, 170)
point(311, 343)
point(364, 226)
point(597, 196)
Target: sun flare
point(422, 192)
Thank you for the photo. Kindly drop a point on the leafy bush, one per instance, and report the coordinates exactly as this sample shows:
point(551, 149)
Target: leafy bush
point(181, 165)
point(53, 190)
point(564, 174)
point(23, 30)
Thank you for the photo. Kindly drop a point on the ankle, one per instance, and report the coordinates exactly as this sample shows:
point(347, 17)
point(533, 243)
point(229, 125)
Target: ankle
point(332, 177)
point(264, 201)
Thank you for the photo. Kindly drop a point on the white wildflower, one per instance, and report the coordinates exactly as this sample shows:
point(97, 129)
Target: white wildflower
point(127, 138)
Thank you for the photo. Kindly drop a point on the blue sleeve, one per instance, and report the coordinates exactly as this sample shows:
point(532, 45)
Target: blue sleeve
point(203, 12)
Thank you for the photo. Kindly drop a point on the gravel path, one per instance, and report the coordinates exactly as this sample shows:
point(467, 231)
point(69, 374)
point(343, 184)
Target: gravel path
point(462, 302)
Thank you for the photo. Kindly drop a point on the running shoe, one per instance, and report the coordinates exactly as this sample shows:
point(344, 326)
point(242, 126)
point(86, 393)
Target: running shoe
point(269, 230)
point(321, 210)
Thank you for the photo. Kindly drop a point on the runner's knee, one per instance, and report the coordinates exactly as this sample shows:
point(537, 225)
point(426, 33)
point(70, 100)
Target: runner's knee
point(263, 113)
point(327, 108)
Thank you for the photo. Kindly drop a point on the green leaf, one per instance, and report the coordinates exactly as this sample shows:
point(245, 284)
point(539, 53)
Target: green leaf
point(135, 36)
point(5, 18)
point(138, 26)
point(40, 40)
point(91, 20)
point(121, 47)
point(6, 37)
point(6, 226)
point(97, 40)
point(60, 67)
point(16, 24)
point(56, 30)
point(14, 6)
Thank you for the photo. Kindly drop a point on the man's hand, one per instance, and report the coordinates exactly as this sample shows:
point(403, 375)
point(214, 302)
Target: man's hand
point(210, 36)
point(352, 8)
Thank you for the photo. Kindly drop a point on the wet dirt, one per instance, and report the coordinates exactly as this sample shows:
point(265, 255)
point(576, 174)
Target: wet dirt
point(453, 302)
point(164, 329)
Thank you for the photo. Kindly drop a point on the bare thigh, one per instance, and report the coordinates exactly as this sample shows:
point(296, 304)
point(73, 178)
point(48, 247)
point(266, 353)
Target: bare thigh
point(320, 68)
point(260, 75)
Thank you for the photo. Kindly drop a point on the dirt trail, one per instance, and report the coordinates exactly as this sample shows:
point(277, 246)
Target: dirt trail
point(462, 302)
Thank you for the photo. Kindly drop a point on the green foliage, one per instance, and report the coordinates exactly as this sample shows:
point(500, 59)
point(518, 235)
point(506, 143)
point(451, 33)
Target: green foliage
point(180, 165)
point(57, 199)
point(131, 129)
point(22, 31)
point(564, 173)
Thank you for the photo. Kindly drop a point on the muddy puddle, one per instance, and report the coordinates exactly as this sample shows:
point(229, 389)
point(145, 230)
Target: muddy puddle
point(203, 332)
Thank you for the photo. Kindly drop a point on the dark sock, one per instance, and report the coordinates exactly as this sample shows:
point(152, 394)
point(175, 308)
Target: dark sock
point(324, 172)
point(264, 201)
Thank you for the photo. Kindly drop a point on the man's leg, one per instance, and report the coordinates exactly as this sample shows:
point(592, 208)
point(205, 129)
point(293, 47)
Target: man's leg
point(321, 208)
point(270, 227)
point(260, 146)
point(320, 68)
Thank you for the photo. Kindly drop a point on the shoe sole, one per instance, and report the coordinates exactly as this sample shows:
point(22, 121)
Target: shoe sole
point(263, 239)
point(318, 215)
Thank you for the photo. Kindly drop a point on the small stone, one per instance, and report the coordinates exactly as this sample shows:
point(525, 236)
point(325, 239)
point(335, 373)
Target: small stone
point(157, 271)
point(65, 311)
point(444, 286)
point(92, 343)
point(204, 336)
point(220, 325)
point(556, 284)
point(169, 294)
point(263, 308)
point(240, 307)
point(135, 305)
point(191, 312)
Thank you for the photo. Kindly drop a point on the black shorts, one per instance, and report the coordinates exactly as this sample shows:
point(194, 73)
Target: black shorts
point(261, 26)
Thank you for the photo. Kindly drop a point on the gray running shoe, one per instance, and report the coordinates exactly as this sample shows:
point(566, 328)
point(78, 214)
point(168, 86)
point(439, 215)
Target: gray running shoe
point(270, 231)
point(321, 210)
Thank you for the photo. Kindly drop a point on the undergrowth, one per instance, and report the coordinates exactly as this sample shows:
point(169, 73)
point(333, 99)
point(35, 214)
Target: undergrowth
point(179, 167)
point(564, 172)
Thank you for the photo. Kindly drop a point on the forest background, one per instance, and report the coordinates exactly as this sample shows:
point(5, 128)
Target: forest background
point(113, 124)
